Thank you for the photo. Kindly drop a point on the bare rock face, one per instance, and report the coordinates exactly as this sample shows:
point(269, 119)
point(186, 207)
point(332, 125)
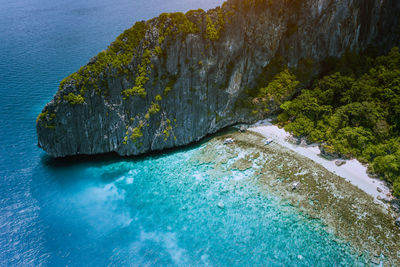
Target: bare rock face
point(398, 222)
point(174, 79)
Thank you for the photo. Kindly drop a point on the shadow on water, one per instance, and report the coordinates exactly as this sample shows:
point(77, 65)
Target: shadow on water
point(109, 158)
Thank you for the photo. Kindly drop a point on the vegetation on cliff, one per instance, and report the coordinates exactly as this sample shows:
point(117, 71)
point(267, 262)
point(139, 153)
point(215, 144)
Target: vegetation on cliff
point(353, 108)
point(118, 56)
point(130, 56)
point(195, 67)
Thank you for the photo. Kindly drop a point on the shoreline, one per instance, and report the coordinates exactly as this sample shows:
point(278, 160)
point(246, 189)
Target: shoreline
point(352, 171)
point(347, 211)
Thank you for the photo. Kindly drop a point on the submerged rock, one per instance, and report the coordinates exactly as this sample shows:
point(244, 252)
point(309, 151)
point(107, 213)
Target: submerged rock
point(376, 260)
point(342, 206)
point(221, 205)
point(268, 141)
point(340, 162)
point(300, 257)
point(228, 141)
point(172, 80)
point(295, 185)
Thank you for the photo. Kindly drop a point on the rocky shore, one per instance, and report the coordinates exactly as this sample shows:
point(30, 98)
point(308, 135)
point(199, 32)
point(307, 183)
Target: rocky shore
point(173, 79)
point(347, 211)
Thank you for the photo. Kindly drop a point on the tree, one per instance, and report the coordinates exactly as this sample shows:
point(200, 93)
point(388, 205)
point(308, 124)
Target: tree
point(281, 87)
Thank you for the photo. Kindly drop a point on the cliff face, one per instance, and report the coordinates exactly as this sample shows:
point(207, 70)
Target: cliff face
point(178, 77)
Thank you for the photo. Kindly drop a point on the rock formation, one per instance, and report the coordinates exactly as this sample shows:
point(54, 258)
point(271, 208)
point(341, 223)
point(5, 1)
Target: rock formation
point(174, 79)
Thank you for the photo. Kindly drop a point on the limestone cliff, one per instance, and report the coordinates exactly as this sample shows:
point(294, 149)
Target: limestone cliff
point(173, 79)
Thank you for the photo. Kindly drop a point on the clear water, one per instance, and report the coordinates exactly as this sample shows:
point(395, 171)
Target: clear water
point(157, 210)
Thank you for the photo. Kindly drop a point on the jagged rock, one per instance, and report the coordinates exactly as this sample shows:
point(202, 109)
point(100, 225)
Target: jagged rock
point(379, 189)
point(92, 60)
point(268, 141)
point(303, 142)
point(242, 129)
point(372, 175)
point(340, 162)
point(398, 222)
point(396, 208)
point(300, 257)
point(395, 205)
point(327, 153)
point(295, 185)
point(195, 80)
point(228, 141)
point(376, 260)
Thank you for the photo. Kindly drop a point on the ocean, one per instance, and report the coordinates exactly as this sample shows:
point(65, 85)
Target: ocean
point(156, 210)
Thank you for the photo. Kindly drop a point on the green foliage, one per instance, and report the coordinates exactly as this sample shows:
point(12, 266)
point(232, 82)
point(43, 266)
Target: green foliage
point(118, 55)
point(221, 20)
point(129, 40)
point(158, 50)
point(357, 113)
point(281, 87)
point(307, 104)
point(332, 87)
point(46, 119)
point(173, 24)
point(124, 49)
point(74, 99)
point(137, 132)
point(141, 77)
point(389, 166)
point(302, 127)
point(396, 188)
point(167, 90)
point(211, 30)
point(187, 27)
point(154, 108)
point(167, 130)
point(352, 141)
point(214, 29)
point(158, 98)
point(42, 116)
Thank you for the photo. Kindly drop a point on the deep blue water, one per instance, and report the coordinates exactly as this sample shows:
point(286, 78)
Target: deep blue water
point(157, 210)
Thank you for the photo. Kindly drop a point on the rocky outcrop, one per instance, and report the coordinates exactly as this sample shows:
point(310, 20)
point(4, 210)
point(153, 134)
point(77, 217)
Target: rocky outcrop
point(172, 80)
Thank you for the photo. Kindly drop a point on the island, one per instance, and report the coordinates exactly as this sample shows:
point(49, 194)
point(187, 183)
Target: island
point(327, 70)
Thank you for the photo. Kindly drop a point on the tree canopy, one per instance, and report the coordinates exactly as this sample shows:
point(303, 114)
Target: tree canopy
point(354, 108)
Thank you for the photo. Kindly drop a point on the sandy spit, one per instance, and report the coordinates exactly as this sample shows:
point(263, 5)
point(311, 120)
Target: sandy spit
point(353, 171)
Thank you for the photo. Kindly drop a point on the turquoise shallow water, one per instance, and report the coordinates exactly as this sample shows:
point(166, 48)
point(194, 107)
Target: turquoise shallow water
point(157, 210)
point(164, 210)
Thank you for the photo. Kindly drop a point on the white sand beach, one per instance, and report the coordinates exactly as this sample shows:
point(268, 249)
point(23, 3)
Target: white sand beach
point(353, 171)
